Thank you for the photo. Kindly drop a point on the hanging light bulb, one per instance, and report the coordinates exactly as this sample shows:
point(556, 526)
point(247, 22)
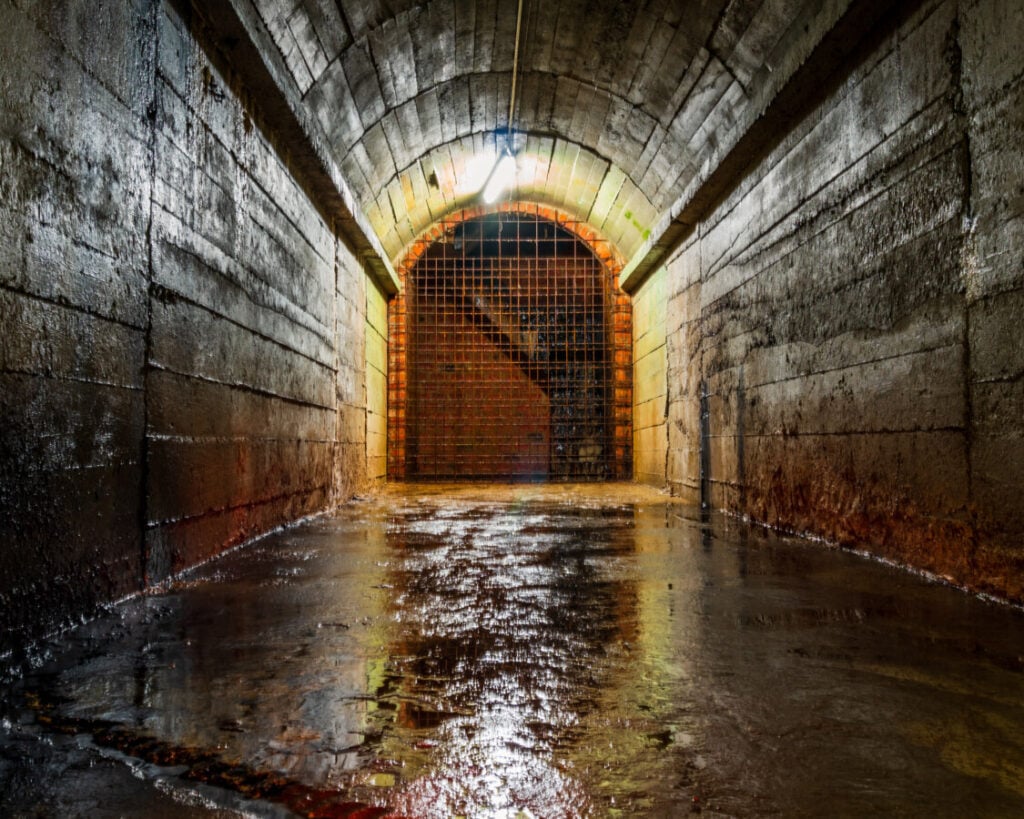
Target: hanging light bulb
point(502, 177)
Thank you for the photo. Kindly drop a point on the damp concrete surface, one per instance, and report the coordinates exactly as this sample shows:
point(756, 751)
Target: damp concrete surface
point(526, 651)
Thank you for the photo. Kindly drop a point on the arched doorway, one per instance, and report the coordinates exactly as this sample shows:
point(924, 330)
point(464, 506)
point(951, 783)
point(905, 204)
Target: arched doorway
point(510, 354)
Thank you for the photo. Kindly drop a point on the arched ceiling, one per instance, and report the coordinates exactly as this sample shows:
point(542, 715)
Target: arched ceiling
point(619, 104)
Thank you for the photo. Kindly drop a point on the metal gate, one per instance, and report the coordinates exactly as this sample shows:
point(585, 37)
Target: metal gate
point(508, 357)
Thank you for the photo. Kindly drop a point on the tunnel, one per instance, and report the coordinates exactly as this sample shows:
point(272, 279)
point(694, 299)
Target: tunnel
point(533, 386)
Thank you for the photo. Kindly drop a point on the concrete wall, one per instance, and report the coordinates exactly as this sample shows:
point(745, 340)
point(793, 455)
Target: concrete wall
point(350, 297)
point(846, 316)
point(74, 296)
point(376, 384)
point(242, 346)
point(683, 355)
point(650, 388)
point(990, 37)
point(183, 362)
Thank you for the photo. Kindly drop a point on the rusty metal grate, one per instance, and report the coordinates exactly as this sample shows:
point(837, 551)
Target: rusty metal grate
point(504, 356)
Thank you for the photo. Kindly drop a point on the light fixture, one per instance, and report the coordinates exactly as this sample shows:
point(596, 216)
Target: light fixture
point(502, 177)
point(503, 174)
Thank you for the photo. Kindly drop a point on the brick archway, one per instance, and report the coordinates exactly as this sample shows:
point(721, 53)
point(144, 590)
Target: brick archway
point(510, 352)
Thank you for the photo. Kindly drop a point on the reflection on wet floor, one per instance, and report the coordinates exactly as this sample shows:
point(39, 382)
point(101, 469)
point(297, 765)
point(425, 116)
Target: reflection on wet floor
point(533, 651)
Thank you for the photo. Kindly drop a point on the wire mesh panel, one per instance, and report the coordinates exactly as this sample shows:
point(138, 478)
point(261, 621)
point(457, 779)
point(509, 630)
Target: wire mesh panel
point(504, 360)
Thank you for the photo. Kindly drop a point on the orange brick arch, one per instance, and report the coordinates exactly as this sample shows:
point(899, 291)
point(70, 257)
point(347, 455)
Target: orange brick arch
point(619, 334)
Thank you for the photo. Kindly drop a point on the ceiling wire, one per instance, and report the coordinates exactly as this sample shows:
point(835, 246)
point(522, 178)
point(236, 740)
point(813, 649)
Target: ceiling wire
point(515, 69)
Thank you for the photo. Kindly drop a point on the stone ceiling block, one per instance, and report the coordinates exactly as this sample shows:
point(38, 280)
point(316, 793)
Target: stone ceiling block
point(618, 105)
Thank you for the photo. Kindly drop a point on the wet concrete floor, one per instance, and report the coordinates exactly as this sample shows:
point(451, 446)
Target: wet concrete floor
point(526, 651)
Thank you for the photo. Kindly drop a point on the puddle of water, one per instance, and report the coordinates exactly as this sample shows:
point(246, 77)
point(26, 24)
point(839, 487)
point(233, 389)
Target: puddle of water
point(524, 651)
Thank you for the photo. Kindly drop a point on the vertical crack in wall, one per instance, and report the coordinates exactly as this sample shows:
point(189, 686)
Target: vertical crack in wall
point(335, 492)
point(968, 249)
point(145, 573)
point(705, 446)
point(741, 406)
point(667, 410)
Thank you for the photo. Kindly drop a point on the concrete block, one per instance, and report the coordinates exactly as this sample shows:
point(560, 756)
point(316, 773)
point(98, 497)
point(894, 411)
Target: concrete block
point(44, 339)
point(997, 482)
point(920, 391)
point(307, 38)
point(996, 343)
point(376, 351)
point(335, 109)
point(376, 424)
point(996, 258)
point(351, 384)
point(990, 33)
point(188, 267)
point(183, 407)
point(998, 408)
point(233, 355)
point(56, 425)
point(877, 490)
point(174, 546)
point(193, 478)
point(351, 424)
point(650, 413)
point(364, 84)
point(71, 543)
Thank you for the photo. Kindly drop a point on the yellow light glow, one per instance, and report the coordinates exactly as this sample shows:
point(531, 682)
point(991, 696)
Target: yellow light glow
point(475, 174)
point(503, 177)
